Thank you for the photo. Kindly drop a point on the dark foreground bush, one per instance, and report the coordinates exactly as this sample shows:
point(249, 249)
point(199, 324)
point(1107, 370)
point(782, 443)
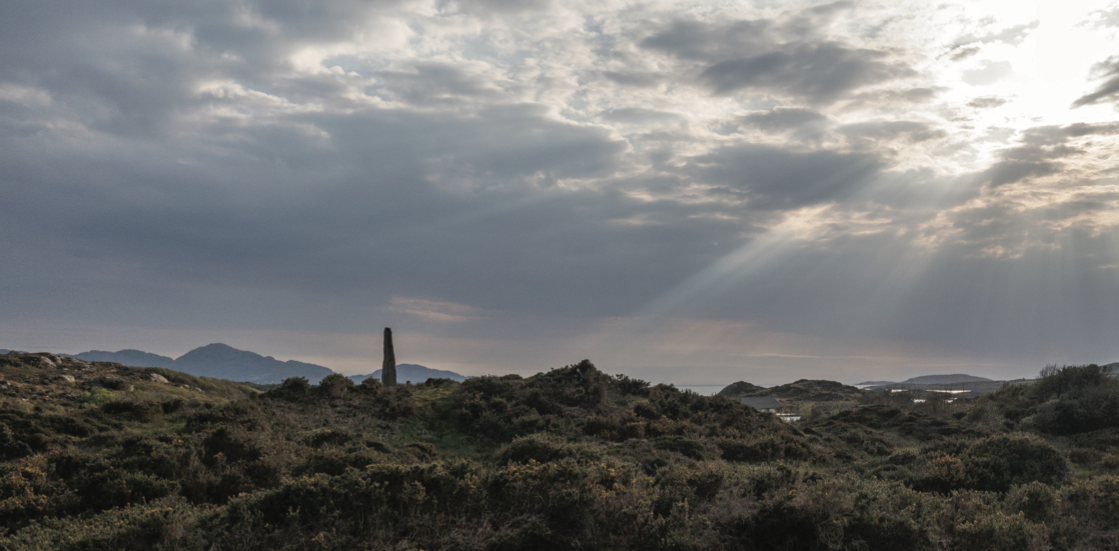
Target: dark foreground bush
point(993, 464)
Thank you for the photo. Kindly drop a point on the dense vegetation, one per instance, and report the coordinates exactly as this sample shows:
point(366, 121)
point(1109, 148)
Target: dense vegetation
point(116, 459)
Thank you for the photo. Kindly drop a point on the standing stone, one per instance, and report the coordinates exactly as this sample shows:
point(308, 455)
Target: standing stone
point(388, 368)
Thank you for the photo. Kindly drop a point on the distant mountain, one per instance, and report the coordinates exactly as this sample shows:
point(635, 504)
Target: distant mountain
point(225, 362)
point(137, 358)
point(219, 361)
point(804, 390)
point(944, 379)
point(414, 373)
point(875, 383)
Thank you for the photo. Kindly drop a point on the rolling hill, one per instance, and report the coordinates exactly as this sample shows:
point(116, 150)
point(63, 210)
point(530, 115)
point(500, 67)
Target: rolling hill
point(216, 360)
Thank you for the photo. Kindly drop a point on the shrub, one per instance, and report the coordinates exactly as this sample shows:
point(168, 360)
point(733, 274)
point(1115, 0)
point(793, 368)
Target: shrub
point(10, 446)
point(97, 396)
point(1078, 410)
point(1096, 498)
point(1035, 500)
point(999, 462)
point(628, 386)
point(370, 385)
point(942, 473)
point(1054, 381)
point(334, 385)
point(541, 448)
point(142, 411)
point(688, 447)
point(112, 384)
point(999, 532)
point(993, 464)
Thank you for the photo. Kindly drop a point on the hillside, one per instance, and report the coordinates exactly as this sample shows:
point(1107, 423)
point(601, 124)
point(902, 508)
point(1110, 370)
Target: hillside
point(130, 357)
point(944, 379)
point(56, 384)
point(804, 390)
point(412, 373)
point(217, 361)
point(543, 462)
point(741, 388)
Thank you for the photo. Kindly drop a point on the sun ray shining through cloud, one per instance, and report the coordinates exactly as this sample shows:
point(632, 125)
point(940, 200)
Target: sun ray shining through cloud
point(791, 186)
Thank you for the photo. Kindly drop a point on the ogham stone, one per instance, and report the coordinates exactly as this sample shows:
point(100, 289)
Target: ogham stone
point(388, 367)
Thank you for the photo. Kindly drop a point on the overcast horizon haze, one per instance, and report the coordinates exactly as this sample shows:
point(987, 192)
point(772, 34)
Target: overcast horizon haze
point(685, 192)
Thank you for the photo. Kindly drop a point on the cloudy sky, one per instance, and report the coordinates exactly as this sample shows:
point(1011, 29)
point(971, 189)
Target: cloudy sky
point(687, 192)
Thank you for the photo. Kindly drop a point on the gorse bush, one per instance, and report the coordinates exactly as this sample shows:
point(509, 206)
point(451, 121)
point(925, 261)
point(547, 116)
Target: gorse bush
point(571, 458)
point(993, 464)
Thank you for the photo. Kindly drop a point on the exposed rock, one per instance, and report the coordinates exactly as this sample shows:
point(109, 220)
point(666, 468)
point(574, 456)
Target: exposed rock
point(158, 378)
point(67, 378)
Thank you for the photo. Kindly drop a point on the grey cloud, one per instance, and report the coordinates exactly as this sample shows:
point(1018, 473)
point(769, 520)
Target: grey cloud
point(987, 102)
point(641, 115)
point(773, 178)
point(634, 78)
point(908, 95)
point(369, 213)
point(1041, 152)
point(783, 57)
point(436, 83)
point(1010, 171)
point(499, 6)
point(821, 73)
point(960, 53)
point(128, 68)
point(780, 119)
point(700, 41)
point(910, 131)
point(808, 22)
point(1109, 90)
point(903, 98)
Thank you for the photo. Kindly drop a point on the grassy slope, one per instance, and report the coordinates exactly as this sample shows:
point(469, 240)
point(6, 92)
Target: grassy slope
point(542, 462)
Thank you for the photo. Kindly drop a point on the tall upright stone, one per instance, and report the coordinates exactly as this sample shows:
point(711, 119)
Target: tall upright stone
point(388, 367)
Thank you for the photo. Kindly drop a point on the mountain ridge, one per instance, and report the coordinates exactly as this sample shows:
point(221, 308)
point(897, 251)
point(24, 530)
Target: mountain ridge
point(216, 360)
